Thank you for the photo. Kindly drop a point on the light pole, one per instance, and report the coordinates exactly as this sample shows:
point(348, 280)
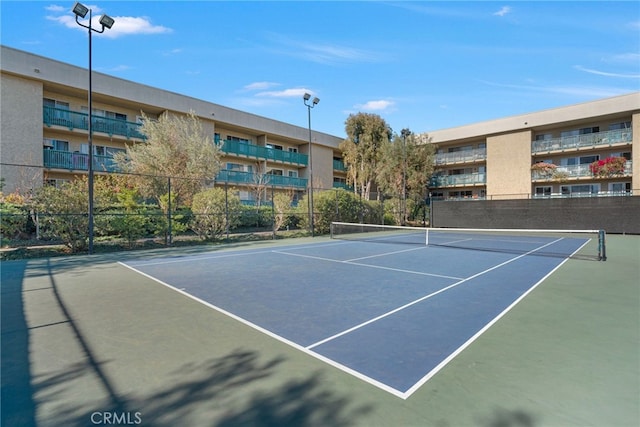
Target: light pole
point(106, 21)
point(314, 102)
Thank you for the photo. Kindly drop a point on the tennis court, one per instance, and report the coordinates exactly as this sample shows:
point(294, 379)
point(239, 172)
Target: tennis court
point(389, 305)
point(327, 332)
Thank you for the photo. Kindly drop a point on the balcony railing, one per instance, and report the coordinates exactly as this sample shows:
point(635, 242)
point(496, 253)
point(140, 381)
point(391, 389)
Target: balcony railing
point(76, 120)
point(458, 180)
point(57, 159)
point(562, 173)
point(251, 150)
point(590, 140)
point(248, 178)
point(338, 165)
point(475, 155)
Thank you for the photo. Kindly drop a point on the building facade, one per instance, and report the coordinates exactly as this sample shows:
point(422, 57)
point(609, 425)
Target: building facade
point(575, 151)
point(551, 153)
point(44, 131)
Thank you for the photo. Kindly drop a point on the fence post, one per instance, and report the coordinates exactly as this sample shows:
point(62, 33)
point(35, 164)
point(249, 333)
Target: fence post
point(273, 213)
point(226, 209)
point(169, 237)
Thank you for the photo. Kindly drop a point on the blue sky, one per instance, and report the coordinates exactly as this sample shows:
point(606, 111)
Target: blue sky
point(419, 65)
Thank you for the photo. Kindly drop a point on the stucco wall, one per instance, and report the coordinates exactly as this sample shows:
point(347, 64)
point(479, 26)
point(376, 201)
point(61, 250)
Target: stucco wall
point(21, 133)
point(509, 164)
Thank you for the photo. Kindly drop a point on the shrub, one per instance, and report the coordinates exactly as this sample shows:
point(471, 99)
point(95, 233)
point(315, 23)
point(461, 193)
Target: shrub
point(62, 213)
point(213, 215)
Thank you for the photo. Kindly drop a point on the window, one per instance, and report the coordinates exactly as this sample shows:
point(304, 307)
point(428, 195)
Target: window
point(237, 139)
point(543, 191)
point(570, 161)
point(583, 131)
point(100, 150)
point(55, 182)
point(620, 126)
point(274, 147)
point(56, 144)
point(456, 149)
point(293, 149)
point(292, 174)
point(544, 137)
point(238, 167)
point(277, 172)
point(577, 190)
point(620, 187)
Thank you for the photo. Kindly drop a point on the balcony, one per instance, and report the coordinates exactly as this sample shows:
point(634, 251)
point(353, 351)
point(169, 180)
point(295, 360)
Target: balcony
point(468, 156)
point(248, 178)
point(244, 149)
point(582, 142)
point(77, 120)
point(564, 173)
point(458, 180)
point(56, 159)
point(338, 165)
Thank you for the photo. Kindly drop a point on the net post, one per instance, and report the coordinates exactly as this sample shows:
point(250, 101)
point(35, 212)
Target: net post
point(602, 246)
point(426, 237)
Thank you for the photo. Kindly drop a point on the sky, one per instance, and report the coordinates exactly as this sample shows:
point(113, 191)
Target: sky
point(419, 65)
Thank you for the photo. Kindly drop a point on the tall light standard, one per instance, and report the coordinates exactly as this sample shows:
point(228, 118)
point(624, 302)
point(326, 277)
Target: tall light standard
point(314, 102)
point(106, 21)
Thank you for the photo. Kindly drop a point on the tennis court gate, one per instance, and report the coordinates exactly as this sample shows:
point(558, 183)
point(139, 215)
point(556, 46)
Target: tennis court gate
point(613, 214)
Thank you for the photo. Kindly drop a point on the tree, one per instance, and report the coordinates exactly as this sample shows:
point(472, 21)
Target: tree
point(215, 212)
point(176, 149)
point(61, 212)
point(406, 165)
point(367, 134)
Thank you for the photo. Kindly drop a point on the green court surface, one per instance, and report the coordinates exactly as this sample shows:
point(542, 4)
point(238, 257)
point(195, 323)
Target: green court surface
point(87, 341)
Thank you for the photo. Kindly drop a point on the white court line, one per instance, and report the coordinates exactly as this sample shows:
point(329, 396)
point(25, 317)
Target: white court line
point(273, 335)
point(374, 382)
point(389, 313)
point(399, 270)
point(466, 344)
point(233, 253)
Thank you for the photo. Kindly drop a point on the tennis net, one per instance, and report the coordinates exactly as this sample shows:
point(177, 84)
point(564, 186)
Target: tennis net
point(585, 244)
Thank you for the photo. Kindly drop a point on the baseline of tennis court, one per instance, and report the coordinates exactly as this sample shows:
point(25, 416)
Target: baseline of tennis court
point(390, 314)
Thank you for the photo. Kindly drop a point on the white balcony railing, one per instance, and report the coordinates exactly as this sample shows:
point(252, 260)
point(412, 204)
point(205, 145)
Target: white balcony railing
point(590, 140)
point(572, 172)
point(477, 154)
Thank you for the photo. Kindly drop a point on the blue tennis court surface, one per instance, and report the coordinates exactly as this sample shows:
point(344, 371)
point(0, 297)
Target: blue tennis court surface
point(390, 314)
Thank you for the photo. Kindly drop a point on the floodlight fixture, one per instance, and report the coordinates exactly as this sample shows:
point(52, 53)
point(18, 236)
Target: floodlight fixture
point(306, 97)
point(106, 21)
point(80, 10)
point(316, 100)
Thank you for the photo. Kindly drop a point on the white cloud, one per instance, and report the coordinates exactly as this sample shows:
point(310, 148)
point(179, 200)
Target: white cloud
point(378, 105)
point(321, 53)
point(287, 93)
point(260, 86)
point(503, 11)
point(606, 74)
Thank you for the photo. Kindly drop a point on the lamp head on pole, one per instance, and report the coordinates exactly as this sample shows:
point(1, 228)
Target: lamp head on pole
point(80, 10)
point(316, 100)
point(106, 21)
point(306, 97)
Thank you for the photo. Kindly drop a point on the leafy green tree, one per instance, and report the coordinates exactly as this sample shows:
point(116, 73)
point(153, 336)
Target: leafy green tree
point(176, 147)
point(213, 214)
point(367, 135)
point(62, 213)
point(405, 170)
point(281, 205)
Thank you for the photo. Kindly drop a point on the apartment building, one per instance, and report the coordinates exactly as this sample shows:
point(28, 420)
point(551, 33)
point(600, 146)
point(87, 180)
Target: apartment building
point(44, 131)
point(582, 150)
